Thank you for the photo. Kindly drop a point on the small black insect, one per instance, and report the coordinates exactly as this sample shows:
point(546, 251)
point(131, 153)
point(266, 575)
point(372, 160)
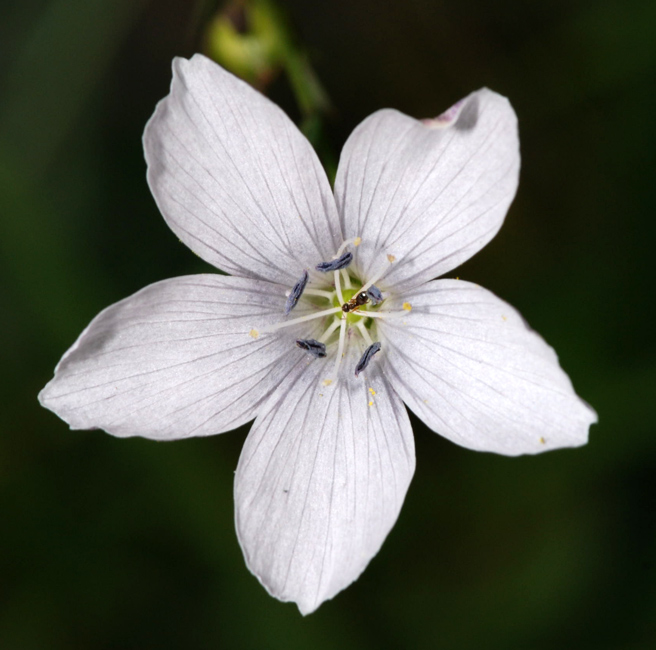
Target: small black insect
point(357, 301)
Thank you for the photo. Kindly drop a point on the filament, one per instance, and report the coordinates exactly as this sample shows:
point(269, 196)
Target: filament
point(328, 295)
point(355, 241)
point(365, 333)
point(379, 275)
point(340, 349)
point(380, 314)
point(326, 335)
point(346, 278)
point(301, 319)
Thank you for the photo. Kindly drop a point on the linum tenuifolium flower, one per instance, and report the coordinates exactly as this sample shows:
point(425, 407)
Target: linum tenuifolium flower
point(329, 321)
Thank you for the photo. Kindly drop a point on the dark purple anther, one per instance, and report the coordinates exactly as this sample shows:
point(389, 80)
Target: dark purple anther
point(366, 357)
point(296, 293)
point(335, 265)
point(375, 295)
point(314, 347)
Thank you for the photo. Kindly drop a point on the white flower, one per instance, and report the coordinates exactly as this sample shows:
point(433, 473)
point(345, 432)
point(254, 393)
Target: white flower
point(328, 461)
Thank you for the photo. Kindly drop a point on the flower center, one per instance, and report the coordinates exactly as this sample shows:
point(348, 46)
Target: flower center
point(346, 306)
point(355, 303)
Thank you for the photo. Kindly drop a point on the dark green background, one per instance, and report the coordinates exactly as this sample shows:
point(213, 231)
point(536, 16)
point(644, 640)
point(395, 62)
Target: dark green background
point(108, 543)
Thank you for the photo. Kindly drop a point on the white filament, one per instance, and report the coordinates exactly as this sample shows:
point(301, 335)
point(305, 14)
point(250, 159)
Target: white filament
point(347, 279)
point(342, 339)
point(326, 335)
point(365, 333)
point(380, 314)
point(342, 248)
point(301, 319)
point(328, 295)
point(380, 273)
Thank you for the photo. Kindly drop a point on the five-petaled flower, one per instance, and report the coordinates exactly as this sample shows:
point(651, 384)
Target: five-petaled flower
point(330, 320)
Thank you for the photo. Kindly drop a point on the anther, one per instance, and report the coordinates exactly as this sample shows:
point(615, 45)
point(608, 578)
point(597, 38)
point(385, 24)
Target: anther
point(296, 293)
point(314, 347)
point(375, 295)
point(335, 265)
point(366, 357)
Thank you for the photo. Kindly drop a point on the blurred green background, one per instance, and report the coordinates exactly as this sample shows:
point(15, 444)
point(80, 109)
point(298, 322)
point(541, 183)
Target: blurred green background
point(108, 543)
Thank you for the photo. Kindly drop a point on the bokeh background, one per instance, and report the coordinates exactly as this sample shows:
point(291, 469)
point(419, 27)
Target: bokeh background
point(108, 543)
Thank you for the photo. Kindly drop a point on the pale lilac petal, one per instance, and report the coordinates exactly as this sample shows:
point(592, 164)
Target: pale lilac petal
point(429, 193)
point(235, 179)
point(177, 359)
point(321, 480)
point(470, 367)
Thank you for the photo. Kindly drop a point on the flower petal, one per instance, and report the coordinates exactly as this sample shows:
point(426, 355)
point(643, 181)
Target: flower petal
point(175, 360)
point(472, 369)
point(321, 480)
point(429, 193)
point(235, 179)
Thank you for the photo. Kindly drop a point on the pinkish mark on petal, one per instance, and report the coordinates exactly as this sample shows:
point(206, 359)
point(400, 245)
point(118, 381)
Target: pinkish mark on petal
point(444, 119)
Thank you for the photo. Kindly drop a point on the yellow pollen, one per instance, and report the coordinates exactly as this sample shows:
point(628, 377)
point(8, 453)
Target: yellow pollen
point(327, 382)
point(391, 258)
point(504, 317)
point(254, 333)
point(407, 306)
point(371, 403)
point(542, 440)
point(357, 241)
point(372, 391)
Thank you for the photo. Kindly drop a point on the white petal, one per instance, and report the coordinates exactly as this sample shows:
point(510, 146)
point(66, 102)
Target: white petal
point(175, 360)
point(320, 482)
point(235, 179)
point(430, 193)
point(470, 367)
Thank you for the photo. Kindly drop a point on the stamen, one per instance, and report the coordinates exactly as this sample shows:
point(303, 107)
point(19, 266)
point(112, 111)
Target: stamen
point(379, 275)
point(356, 241)
point(314, 347)
point(364, 332)
point(296, 293)
point(300, 319)
point(327, 334)
point(335, 265)
point(366, 357)
point(340, 349)
point(375, 295)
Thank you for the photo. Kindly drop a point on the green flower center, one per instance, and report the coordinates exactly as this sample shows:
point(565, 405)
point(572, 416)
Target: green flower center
point(351, 318)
